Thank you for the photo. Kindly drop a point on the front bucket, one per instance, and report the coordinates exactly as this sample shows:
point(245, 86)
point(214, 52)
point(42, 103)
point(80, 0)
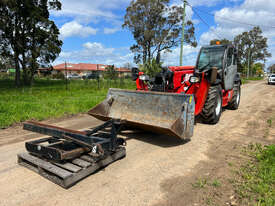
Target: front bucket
point(163, 113)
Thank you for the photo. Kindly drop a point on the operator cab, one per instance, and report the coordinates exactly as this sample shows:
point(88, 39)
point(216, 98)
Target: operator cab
point(221, 57)
point(210, 56)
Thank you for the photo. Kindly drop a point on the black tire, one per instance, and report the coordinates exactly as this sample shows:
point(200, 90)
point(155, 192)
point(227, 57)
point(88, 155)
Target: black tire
point(234, 104)
point(212, 108)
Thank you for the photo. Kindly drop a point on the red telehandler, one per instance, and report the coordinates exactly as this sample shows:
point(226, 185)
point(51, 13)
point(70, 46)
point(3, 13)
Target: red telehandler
point(169, 102)
point(166, 104)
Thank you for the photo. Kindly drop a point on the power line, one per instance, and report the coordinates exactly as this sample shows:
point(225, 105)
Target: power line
point(227, 19)
point(206, 23)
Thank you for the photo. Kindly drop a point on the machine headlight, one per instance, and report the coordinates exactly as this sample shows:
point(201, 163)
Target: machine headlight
point(144, 77)
point(194, 79)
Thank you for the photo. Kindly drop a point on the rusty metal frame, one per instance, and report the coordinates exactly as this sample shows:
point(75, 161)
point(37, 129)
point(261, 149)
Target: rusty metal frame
point(55, 149)
point(67, 144)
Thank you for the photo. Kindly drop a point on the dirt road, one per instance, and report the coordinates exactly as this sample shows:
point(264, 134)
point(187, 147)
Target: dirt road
point(151, 160)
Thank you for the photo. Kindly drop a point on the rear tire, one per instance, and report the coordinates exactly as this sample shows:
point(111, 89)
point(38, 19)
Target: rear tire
point(212, 109)
point(234, 104)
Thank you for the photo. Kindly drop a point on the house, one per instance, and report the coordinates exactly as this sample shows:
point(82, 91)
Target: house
point(84, 68)
point(123, 71)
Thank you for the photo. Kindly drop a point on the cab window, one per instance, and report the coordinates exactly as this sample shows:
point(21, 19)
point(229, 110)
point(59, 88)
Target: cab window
point(229, 57)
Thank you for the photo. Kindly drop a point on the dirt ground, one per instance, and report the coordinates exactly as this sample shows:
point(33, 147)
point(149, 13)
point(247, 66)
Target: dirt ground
point(157, 170)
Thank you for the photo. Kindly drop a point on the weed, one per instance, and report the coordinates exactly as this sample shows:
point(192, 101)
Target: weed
point(200, 183)
point(209, 201)
point(269, 122)
point(216, 183)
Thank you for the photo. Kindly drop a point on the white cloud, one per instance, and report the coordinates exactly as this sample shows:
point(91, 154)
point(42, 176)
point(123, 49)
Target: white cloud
point(111, 30)
point(94, 52)
point(255, 12)
point(86, 11)
point(96, 49)
point(173, 57)
point(208, 3)
point(199, 2)
point(73, 28)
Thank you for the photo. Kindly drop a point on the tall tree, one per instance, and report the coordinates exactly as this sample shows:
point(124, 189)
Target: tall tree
point(271, 68)
point(252, 46)
point(257, 69)
point(222, 41)
point(30, 37)
point(110, 72)
point(156, 27)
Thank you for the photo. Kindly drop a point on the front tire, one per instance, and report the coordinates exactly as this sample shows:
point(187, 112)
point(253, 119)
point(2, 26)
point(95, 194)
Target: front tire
point(212, 109)
point(234, 104)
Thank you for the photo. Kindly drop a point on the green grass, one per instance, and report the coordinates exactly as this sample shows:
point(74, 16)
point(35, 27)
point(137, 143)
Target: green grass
point(216, 183)
point(256, 184)
point(50, 99)
point(200, 183)
point(246, 80)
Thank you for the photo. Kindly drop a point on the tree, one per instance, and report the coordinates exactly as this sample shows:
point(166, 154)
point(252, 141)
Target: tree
point(257, 69)
point(271, 68)
point(151, 67)
point(111, 73)
point(252, 47)
point(222, 41)
point(6, 63)
point(156, 27)
point(28, 35)
point(127, 65)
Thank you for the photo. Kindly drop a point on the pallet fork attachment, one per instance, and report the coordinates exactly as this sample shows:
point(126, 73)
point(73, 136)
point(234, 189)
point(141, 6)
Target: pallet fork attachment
point(69, 156)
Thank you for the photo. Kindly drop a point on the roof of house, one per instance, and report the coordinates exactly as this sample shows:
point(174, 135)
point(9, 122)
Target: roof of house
point(121, 69)
point(86, 67)
point(80, 67)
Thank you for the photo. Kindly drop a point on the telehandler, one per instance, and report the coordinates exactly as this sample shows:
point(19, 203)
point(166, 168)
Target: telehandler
point(166, 104)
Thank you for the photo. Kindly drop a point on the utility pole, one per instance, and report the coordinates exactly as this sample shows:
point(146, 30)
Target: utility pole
point(66, 77)
point(97, 76)
point(183, 27)
point(248, 66)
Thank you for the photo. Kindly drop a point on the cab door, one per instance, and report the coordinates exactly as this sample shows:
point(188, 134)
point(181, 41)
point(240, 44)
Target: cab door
point(230, 69)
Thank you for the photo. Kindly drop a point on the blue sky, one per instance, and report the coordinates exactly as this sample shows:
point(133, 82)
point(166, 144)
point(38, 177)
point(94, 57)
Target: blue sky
point(92, 33)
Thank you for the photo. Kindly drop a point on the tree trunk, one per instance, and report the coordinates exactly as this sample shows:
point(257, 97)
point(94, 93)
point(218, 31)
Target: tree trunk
point(17, 71)
point(158, 57)
point(149, 52)
point(144, 57)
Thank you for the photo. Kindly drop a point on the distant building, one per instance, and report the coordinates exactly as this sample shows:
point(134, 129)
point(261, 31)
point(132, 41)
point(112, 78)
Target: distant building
point(84, 68)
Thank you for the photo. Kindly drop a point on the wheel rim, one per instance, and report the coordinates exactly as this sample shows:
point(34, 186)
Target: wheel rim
point(238, 96)
point(218, 106)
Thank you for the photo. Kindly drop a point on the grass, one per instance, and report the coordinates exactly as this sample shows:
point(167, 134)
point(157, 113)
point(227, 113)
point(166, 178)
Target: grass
point(50, 99)
point(216, 183)
point(256, 185)
point(246, 80)
point(200, 183)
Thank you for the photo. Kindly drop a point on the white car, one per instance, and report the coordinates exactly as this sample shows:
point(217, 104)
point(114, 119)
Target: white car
point(73, 76)
point(271, 79)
